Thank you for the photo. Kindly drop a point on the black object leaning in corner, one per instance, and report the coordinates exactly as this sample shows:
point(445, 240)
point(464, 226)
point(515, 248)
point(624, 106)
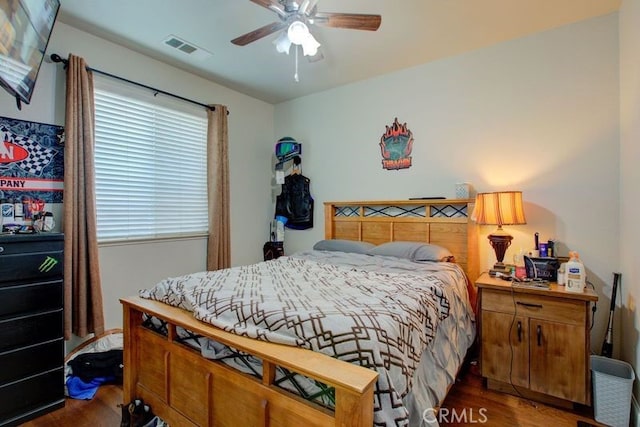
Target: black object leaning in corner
point(57, 58)
point(607, 344)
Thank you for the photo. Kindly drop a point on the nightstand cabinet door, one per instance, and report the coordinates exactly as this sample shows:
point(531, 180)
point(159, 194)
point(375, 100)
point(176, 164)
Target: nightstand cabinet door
point(558, 360)
point(501, 361)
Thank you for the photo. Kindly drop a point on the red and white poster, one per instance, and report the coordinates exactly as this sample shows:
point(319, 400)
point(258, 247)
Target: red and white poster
point(31, 161)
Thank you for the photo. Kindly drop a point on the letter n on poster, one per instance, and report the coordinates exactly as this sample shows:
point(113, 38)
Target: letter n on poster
point(31, 161)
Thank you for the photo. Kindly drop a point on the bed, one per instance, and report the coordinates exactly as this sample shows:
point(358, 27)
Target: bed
point(165, 368)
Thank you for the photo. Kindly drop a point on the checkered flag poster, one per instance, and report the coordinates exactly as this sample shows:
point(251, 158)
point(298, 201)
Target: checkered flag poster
point(31, 160)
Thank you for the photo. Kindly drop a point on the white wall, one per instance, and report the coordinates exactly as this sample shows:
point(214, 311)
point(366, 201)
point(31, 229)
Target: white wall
point(537, 114)
point(629, 179)
point(128, 267)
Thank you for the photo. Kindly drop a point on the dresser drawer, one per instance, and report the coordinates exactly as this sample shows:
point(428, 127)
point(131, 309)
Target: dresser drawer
point(27, 330)
point(25, 243)
point(32, 265)
point(31, 360)
point(20, 398)
point(31, 298)
point(535, 306)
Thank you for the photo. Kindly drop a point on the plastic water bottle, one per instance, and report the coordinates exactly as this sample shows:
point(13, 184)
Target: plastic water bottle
point(575, 274)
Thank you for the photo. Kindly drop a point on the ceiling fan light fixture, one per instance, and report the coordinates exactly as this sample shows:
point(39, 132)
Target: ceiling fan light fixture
point(283, 44)
point(310, 46)
point(298, 32)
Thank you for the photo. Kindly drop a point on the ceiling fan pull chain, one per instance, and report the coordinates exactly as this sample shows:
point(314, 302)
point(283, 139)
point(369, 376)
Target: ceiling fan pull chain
point(295, 76)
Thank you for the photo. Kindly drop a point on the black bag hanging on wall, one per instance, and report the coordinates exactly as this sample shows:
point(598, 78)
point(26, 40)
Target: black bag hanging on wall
point(295, 202)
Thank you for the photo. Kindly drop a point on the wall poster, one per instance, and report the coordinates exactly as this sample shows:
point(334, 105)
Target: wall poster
point(31, 161)
point(396, 145)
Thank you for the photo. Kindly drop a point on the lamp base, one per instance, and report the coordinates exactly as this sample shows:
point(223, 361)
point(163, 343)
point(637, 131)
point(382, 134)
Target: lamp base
point(500, 268)
point(500, 241)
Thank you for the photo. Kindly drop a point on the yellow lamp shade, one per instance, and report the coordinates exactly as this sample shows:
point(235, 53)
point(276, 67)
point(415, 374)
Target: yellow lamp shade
point(499, 208)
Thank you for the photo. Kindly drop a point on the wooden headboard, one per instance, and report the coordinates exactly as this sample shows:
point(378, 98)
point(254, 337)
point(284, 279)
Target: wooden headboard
point(444, 222)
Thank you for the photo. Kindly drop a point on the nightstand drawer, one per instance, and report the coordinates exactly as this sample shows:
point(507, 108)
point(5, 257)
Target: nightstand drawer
point(536, 306)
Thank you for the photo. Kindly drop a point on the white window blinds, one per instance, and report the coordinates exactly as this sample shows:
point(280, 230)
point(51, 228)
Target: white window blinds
point(150, 159)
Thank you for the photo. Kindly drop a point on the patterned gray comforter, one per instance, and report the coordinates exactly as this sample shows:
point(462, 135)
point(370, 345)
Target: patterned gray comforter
point(378, 312)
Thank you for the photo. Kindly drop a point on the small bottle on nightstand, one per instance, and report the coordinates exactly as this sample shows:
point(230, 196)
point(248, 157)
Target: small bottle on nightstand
point(562, 275)
point(575, 274)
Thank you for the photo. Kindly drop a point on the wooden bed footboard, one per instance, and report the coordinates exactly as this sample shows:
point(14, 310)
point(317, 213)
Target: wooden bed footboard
point(186, 389)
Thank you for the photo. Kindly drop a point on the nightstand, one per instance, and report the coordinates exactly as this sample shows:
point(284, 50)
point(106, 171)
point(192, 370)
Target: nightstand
point(535, 341)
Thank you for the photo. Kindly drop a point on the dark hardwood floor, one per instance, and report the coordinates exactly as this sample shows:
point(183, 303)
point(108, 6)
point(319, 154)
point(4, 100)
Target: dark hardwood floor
point(101, 411)
point(469, 396)
point(468, 403)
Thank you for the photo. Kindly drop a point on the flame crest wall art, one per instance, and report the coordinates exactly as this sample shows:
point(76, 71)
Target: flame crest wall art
point(396, 144)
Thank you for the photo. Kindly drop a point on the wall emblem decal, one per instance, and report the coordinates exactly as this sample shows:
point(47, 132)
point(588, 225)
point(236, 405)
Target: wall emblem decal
point(31, 160)
point(396, 145)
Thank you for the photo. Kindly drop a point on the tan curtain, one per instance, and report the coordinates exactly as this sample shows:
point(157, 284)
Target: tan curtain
point(82, 287)
point(219, 245)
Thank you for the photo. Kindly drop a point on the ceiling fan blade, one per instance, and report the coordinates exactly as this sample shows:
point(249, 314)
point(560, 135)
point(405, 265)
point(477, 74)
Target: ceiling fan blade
point(353, 21)
point(261, 32)
point(272, 5)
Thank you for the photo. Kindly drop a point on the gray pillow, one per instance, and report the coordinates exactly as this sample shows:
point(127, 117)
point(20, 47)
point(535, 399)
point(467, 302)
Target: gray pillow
point(352, 246)
point(414, 251)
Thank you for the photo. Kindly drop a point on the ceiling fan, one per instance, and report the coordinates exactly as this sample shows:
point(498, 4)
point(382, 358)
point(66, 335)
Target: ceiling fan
point(296, 16)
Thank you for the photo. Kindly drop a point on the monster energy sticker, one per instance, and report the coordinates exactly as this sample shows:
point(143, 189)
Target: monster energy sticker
point(47, 265)
point(396, 144)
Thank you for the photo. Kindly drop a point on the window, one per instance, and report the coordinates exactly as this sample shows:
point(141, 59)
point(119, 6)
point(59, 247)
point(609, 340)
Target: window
point(150, 159)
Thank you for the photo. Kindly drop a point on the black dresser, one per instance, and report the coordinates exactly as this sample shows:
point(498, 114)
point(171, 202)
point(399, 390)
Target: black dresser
point(31, 326)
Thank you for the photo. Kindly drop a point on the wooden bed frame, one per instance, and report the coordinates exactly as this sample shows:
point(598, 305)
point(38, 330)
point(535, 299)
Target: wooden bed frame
point(185, 389)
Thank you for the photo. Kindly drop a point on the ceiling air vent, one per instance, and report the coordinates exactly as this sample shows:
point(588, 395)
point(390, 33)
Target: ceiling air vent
point(186, 47)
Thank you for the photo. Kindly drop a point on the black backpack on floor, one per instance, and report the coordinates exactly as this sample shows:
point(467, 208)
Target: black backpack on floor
point(88, 366)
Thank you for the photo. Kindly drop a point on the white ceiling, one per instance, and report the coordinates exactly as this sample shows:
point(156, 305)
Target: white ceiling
point(412, 32)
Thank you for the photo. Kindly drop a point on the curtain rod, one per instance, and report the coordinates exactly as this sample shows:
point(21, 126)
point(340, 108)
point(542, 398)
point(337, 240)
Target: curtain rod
point(57, 58)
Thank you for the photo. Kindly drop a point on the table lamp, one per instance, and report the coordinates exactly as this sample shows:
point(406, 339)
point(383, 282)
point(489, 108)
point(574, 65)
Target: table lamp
point(499, 208)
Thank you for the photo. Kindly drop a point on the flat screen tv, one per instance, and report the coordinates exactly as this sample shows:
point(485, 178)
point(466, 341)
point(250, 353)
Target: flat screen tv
point(25, 29)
